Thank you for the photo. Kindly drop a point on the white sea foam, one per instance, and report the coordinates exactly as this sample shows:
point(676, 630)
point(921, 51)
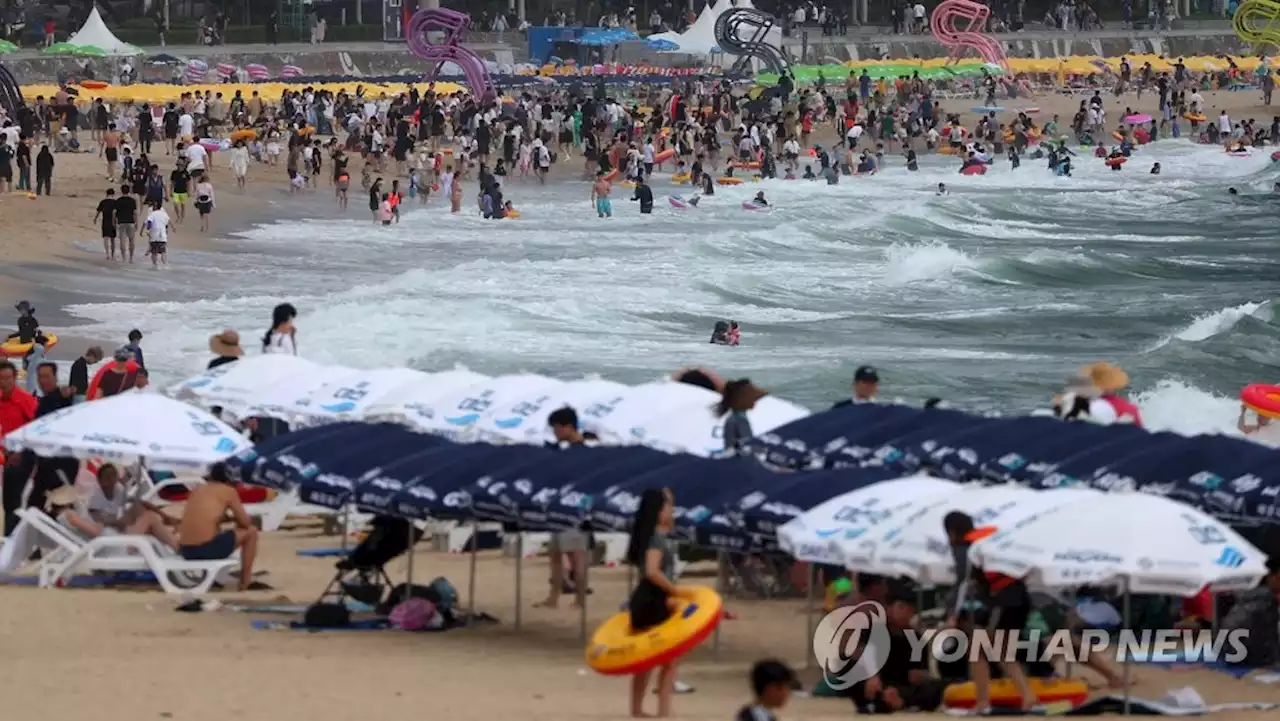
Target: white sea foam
point(1208, 325)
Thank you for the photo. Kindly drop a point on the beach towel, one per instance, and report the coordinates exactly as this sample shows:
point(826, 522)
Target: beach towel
point(323, 552)
point(368, 624)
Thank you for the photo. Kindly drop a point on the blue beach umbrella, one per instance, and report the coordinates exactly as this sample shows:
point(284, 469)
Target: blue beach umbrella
point(1078, 469)
point(799, 443)
point(572, 471)
point(662, 45)
point(612, 511)
point(576, 498)
point(244, 466)
point(330, 479)
point(278, 470)
point(441, 492)
point(901, 452)
point(1032, 450)
point(377, 492)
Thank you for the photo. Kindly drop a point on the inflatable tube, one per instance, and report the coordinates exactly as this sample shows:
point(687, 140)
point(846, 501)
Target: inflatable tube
point(1194, 117)
point(1115, 162)
point(1239, 153)
point(974, 170)
point(681, 177)
point(1028, 111)
point(609, 176)
point(1004, 693)
point(946, 150)
point(750, 205)
point(512, 214)
point(12, 348)
point(983, 110)
point(628, 183)
point(130, 366)
point(210, 145)
point(745, 164)
point(728, 181)
point(248, 494)
point(615, 651)
point(1275, 157)
point(678, 202)
point(94, 84)
point(1118, 136)
point(1142, 136)
point(244, 135)
point(1262, 398)
point(664, 156)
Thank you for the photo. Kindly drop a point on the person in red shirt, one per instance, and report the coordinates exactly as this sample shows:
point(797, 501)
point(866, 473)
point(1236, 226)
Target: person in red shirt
point(17, 408)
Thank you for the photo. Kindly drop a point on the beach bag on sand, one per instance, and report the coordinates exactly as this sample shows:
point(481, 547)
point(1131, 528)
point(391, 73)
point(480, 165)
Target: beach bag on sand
point(415, 614)
point(327, 615)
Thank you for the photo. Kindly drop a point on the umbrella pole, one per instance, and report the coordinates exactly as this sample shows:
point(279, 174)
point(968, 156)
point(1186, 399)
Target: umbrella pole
point(519, 574)
point(808, 613)
point(721, 559)
point(471, 584)
point(408, 586)
point(582, 610)
point(346, 527)
point(1125, 679)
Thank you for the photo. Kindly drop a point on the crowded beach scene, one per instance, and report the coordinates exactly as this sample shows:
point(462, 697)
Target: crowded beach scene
point(743, 359)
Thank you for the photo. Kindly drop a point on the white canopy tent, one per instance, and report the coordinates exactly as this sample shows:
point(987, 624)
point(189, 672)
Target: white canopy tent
point(700, 38)
point(94, 33)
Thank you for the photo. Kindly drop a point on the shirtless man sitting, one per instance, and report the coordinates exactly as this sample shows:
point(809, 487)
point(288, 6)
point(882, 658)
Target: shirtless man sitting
point(200, 536)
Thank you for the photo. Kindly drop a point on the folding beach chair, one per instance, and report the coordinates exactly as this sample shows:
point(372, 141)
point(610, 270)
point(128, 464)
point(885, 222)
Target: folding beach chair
point(362, 574)
point(68, 554)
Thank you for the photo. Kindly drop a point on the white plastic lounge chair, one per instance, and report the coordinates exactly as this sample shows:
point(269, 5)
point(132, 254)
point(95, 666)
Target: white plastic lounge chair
point(70, 554)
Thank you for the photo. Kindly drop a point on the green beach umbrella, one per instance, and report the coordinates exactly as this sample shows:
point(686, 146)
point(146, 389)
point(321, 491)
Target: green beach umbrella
point(7, 47)
point(73, 49)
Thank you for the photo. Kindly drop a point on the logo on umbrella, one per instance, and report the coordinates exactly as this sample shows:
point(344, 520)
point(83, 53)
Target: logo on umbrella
point(1230, 558)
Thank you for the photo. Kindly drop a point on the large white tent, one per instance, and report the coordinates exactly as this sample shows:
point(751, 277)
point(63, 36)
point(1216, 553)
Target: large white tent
point(95, 33)
point(700, 38)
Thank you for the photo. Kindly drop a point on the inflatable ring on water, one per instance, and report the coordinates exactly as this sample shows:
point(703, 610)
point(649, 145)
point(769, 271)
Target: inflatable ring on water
point(946, 150)
point(1239, 153)
point(244, 135)
point(664, 156)
point(513, 214)
point(612, 174)
point(1275, 157)
point(747, 164)
point(1194, 117)
point(93, 84)
point(1262, 398)
point(974, 170)
point(680, 178)
point(12, 348)
point(615, 651)
point(1118, 136)
point(1116, 162)
point(628, 183)
point(728, 181)
point(1005, 694)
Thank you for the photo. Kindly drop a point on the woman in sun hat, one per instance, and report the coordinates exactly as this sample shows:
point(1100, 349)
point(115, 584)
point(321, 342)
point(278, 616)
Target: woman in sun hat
point(1110, 407)
point(737, 398)
point(225, 346)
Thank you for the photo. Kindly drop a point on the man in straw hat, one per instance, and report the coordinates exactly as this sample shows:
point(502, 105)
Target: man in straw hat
point(1110, 407)
point(226, 347)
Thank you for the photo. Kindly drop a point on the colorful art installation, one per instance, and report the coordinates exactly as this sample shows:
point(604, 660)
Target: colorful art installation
point(743, 32)
point(1256, 23)
point(957, 24)
point(454, 26)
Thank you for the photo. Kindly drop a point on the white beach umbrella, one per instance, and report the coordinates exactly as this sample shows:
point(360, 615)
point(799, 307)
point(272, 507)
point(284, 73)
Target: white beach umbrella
point(458, 413)
point(814, 536)
point(281, 400)
point(241, 382)
point(1147, 543)
point(698, 431)
point(623, 418)
point(525, 419)
point(129, 427)
point(350, 396)
point(916, 545)
point(409, 402)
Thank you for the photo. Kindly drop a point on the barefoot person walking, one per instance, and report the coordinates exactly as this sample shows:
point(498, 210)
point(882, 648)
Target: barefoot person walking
point(205, 202)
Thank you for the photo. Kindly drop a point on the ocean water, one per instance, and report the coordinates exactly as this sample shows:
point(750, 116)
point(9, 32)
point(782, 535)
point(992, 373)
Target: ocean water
point(988, 297)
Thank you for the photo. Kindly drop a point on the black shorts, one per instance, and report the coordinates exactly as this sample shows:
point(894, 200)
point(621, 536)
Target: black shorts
point(648, 606)
point(648, 168)
point(158, 248)
point(109, 231)
point(219, 547)
point(113, 154)
point(204, 206)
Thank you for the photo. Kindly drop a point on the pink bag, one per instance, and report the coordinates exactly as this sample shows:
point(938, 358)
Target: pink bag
point(415, 614)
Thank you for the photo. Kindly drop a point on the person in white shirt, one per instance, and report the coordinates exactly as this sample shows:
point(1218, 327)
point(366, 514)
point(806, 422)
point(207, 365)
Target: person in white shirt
point(196, 156)
point(919, 13)
point(108, 511)
point(157, 226)
point(1224, 123)
point(186, 126)
point(280, 339)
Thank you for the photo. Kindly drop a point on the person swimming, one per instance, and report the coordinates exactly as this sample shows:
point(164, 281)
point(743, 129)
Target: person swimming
point(808, 173)
point(720, 333)
point(735, 333)
point(759, 199)
point(1155, 169)
point(1014, 160)
point(912, 163)
point(1232, 191)
point(942, 189)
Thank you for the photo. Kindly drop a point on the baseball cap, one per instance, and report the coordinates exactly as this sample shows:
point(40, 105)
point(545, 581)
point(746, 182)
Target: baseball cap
point(867, 374)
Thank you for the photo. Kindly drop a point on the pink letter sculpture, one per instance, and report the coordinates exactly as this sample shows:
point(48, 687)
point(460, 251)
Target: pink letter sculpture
point(946, 23)
point(454, 25)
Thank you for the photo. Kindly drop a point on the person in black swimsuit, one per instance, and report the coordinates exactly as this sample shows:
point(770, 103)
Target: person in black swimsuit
point(107, 214)
point(654, 598)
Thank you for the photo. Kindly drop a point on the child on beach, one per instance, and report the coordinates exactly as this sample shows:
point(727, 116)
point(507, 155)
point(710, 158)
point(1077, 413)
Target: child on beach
point(654, 598)
point(771, 682)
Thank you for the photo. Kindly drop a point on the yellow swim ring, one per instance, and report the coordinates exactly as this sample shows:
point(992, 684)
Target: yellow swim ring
point(1005, 694)
point(12, 348)
point(1197, 117)
point(615, 651)
point(513, 213)
point(680, 177)
point(245, 134)
point(728, 181)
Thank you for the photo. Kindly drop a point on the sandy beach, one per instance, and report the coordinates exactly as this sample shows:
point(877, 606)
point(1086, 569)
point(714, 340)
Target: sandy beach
point(129, 655)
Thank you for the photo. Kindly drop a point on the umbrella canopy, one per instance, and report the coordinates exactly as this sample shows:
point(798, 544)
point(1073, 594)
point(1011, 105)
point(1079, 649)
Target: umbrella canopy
point(597, 37)
point(662, 44)
point(351, 396)
point(815, 535)
point(409, 403)
point(915, 544)
point(699, 432)
point(1149, 543)
point(525, 420)
point(280, 401)
point(130, 427)
point(7, 47)
point(240, 383)
point(75, 49)
point(623, 418)
point(459, 412)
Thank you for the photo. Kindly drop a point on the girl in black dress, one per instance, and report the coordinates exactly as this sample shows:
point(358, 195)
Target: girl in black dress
point(655, 597)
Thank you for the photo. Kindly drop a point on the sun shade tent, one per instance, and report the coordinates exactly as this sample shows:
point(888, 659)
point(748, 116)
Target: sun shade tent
point(95, 34)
